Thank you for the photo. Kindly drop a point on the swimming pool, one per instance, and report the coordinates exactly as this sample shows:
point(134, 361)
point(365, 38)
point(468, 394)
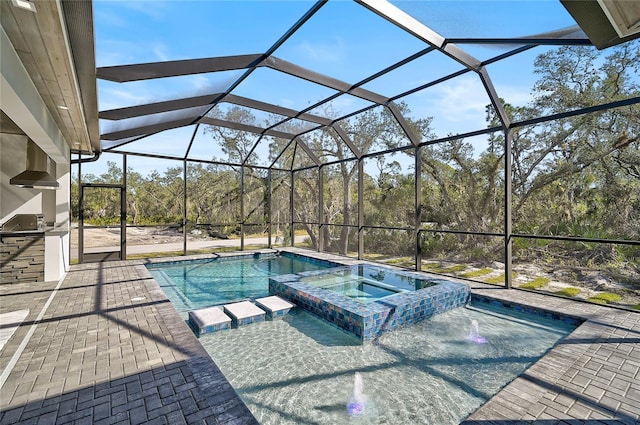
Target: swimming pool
point(363, 299)
point(193, 284)
point(301, 370)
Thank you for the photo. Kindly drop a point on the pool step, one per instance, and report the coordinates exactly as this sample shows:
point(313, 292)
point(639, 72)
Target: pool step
point(212, 319)
point(275, 306)
point(244, 313)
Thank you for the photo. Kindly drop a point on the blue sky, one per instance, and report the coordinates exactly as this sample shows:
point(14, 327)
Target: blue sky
point(343, 40)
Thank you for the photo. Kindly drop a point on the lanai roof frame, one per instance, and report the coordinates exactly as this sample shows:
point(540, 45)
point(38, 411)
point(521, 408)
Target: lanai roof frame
point(252, 61)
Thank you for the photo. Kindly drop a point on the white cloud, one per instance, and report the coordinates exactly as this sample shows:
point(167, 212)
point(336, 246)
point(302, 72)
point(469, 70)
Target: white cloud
point(456, 106)
point(459, 105)
point(108, 18)
point(461, 99)
point(331, 51)
point(153, 9)
point(112, 98)
point(112, 52)
point(160, 50)
point(287, 102)
point(514, 95)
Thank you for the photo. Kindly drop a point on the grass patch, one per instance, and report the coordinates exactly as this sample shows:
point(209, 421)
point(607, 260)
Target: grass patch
point(635, 307)
point(596, 300)
point(476, 273)
point(400, 260)
point(605, 298)
point(452, 269)
point(500, 279)
point(568, 292)
point(537, 283)
point(373, 257)
point(437, 268)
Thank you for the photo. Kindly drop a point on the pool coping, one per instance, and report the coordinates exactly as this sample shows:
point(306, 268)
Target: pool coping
point(592, 375)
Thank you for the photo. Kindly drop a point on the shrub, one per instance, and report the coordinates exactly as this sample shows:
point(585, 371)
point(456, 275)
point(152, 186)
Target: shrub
point(537, 283)
point(476, 273)
point(568, 292)
point(605, 298)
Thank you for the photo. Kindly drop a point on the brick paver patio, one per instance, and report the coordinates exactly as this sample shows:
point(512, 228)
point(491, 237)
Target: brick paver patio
point(110, 349)
point(105, 346)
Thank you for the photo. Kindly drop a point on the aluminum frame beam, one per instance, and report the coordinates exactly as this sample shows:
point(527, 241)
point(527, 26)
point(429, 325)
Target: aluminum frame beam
point(152, 70)
point(347, 140)
point(403, 123)
point(573, 36)
point(276, 109)
point(158, 107)
point(190, 102)
point(323, 80)
point(245, 127)
point(414, 27)
point(146, 129)
point(309, 152)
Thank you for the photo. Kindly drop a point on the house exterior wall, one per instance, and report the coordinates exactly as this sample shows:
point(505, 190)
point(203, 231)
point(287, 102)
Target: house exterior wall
point(22, 103)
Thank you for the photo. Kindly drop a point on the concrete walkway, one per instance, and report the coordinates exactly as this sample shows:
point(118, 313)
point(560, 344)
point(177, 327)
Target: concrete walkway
point(105, 346)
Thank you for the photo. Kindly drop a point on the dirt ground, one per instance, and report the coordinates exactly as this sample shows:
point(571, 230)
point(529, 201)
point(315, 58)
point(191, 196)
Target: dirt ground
point(95, 238)
point(590, 282)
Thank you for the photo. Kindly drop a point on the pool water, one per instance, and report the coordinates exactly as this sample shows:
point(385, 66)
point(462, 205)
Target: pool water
point(300, 370)
point(361, 290)
point(202, 283)
point(366, 283)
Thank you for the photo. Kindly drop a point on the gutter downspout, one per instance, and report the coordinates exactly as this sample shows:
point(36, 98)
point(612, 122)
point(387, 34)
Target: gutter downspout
point(94, 158)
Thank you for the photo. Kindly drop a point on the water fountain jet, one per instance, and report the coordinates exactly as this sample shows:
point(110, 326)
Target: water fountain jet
point(474, 334)
point(356, 403)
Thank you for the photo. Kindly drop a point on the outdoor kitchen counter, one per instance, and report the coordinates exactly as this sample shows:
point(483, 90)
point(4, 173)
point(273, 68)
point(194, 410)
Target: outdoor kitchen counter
point(21, 232)
point(34, 255)
point(22, 256)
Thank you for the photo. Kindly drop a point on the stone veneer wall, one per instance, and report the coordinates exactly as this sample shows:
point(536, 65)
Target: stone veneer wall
point(22, 258)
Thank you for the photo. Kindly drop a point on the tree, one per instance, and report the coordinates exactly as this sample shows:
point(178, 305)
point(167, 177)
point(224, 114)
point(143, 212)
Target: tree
point(372, 130)
point(585, 161)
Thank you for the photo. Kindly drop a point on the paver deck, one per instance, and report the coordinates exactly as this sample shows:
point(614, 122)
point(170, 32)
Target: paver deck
point(105, 346)
point(9, 323)
point(109, 349)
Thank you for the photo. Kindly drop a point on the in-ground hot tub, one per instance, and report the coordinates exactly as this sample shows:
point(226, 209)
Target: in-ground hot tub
point(367, 300)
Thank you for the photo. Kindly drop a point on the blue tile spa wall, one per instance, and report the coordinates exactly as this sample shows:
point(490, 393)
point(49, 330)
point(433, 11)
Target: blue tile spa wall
point(367, 321)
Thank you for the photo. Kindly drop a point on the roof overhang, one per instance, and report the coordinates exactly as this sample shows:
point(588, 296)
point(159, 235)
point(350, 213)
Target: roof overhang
point(53, 42)
point(606, 22)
